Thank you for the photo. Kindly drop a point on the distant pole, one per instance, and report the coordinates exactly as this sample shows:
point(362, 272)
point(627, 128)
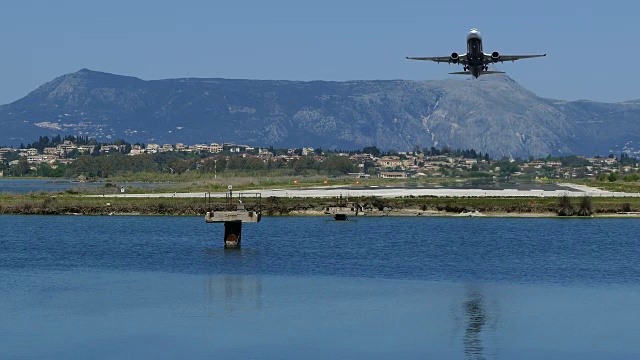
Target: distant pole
point(215, 168)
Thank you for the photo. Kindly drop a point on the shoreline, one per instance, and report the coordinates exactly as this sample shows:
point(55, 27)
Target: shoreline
point(369, 201)
point(284, 207)
point(494, 215)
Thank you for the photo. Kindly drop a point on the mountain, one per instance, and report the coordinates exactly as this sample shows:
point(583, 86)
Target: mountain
point(491, 114)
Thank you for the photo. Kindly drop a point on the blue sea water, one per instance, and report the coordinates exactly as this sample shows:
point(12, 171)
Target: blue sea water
point(305, 287)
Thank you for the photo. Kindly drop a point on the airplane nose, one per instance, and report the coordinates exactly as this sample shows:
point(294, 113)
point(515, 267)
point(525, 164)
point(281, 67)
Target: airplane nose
point(474, 34)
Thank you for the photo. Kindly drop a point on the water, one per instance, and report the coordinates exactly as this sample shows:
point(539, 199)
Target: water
point(163, 287)
point(20, 186)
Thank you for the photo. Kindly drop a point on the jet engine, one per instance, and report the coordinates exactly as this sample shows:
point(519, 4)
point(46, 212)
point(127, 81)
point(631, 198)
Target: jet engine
point(495, 56)
point(454, 57)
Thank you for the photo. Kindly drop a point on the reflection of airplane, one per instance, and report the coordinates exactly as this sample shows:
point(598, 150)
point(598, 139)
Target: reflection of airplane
point(475, 62)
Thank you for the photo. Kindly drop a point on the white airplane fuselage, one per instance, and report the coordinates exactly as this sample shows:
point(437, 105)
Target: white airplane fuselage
point(475, 55)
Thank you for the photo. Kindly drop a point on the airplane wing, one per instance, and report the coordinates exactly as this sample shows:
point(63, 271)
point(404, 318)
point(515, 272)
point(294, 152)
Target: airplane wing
point(446, 59)
point(503, 58)
point(483, 73)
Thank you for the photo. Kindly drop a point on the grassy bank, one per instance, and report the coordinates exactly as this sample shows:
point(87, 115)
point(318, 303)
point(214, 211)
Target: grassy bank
point(42, 203)
point(617, 186)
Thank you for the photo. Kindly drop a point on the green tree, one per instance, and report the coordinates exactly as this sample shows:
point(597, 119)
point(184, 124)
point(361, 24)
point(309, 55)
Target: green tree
point(416, 150)
point(22, 168)
point(255, 164)
point(372, 150)
point(142, 163)
point(86, 165)
point(179, 166)
point(96, 150)
point(507, 168)
point(215, 165)
point(302, 164)
point(339, 165)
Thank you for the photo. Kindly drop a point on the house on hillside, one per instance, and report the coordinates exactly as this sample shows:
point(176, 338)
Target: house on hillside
point(28, 152)
point(152, 148)
point(201, 147)
point(52, 151)
point(136, 150)
point(109, 149)
point(86, 149)
point(66, 147)
point(390, 162)
point(38, 159)
point(216, 148)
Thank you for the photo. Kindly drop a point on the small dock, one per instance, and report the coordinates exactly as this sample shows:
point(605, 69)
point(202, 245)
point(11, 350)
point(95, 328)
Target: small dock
point(345, 209)
point(233, 219)
point(340, 217)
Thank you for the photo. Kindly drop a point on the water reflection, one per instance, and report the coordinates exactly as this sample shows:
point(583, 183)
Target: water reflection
point(476, 317)
point(479, 319)
point(231, 292)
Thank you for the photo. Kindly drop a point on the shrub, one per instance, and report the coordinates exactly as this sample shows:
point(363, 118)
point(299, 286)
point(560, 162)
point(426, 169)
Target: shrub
point(586, 208)
point(565, 208)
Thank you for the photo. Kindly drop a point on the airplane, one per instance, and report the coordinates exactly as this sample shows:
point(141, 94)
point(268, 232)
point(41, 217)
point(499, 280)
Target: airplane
point(475, 62)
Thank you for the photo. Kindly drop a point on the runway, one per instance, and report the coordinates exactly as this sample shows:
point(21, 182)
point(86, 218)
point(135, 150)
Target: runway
point(571, 190)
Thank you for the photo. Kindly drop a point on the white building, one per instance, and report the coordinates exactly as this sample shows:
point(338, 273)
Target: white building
point(153, 148)
point(216, 148)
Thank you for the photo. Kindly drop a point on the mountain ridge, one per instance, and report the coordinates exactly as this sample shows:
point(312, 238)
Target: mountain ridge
point(491, 114)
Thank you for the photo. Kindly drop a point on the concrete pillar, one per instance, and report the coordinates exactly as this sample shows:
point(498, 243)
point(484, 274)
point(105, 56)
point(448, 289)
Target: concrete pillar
point(232, 234)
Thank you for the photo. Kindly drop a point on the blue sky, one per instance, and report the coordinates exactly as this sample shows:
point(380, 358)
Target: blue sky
point(592, 46)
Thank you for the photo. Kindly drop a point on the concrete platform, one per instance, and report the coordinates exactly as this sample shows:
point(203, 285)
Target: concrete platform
point(240, 215)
